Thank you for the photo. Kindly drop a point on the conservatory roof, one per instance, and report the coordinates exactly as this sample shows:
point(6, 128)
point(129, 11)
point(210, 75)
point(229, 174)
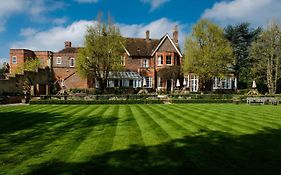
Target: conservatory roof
point(124, 75)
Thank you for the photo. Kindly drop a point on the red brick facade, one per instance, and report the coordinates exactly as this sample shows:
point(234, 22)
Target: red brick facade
point(141, 55)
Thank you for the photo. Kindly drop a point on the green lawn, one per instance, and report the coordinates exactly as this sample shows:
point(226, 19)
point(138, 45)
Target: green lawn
point(140, 139)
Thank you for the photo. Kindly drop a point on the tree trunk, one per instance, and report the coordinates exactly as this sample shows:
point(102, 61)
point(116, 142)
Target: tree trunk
point(276, 74)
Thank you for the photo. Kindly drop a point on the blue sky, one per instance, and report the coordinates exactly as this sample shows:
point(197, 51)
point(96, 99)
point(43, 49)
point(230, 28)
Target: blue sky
point(46, 24)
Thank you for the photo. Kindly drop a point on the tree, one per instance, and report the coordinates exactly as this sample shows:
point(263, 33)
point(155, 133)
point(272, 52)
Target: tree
point(2, 71)
point(266, 56)
point(30, 64)
point(170, 73)
point(241, 38)
point(207, 53)
point(102, 53)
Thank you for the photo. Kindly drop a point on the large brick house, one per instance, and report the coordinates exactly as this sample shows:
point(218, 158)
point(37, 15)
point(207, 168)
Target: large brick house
point(142, 59)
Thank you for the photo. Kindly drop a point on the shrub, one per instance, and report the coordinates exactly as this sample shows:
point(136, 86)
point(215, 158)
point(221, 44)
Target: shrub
point(143, 101)
point(177, 101)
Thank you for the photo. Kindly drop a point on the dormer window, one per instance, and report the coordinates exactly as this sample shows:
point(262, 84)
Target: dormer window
point(59, 61)
point(14, 60)
point(72, 62)
point(160, 60)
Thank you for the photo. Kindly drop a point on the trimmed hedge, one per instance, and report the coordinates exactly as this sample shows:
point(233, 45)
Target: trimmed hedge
point(142, 101)
point(178, 101)
point(204, 96)
point(96, 102)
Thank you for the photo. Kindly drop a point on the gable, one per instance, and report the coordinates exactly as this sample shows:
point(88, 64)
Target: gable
point(167, 46)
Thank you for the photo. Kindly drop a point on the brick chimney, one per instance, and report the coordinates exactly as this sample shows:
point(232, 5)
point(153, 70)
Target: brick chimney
point(67, 44)
point(176, 35)
point(147, 35)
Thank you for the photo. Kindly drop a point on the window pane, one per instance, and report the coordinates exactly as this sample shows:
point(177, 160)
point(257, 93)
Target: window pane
point(168, 59)
point(14, 60)
point(160, 60)
point(72, 61)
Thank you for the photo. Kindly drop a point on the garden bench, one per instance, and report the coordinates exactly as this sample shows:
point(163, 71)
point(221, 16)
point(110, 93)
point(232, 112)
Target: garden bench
point(262, 100)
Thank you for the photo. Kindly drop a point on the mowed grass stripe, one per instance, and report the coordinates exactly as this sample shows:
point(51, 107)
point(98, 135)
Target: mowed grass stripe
point(19, 116)
point(231, 126)
point(127, 131)
point(87, 148)
point(30, 120)
point(105, 139)
point(145, 124)
point(153, 133)
point(203, 123)
point(178, 116)
point(76, 133)
point(208, 121)
point(23, 108)
point(155, 122)
point(254, 111)
point(252, 126)
point(135, 137)
point(25, 138)
point(31, 136)
point(173, 125)
point(51, 145)
point(246, 116)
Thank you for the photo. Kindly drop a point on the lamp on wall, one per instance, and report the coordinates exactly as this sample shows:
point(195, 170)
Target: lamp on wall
point(254, 85)
point(184, 82)
point(178, 83)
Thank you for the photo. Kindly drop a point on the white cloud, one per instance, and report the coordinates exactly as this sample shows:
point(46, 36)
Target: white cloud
point(257, 12)
point(36, 9)
point(87, 1)
point(59, 21)
point(53, 39)
point(27, 32)
point(155, 3)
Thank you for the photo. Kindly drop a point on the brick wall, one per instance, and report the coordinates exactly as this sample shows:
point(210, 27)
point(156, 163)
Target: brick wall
point(45, 57)
point(40, 78)
point(65, 59)
point(70, 77)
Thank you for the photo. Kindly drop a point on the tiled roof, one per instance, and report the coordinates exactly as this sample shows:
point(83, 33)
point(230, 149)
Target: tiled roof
point(137, 47)
point(140, 46)
point(69, 50)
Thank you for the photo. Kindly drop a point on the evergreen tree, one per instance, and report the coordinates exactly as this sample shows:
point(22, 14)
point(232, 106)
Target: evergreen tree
point(241, 38)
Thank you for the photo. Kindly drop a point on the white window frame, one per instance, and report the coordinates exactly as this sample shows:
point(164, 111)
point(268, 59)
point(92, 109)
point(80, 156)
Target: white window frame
point(14, 60)
point(194, 83)
point(123, 60)
point(70, 62)
point(166, 59)
point(59, 60)
point(145, 63)
point(160, 60)
point(160, 83)
point(148, 82)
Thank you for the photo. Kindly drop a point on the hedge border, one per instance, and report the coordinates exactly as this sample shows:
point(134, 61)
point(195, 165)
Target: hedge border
point(97, 102)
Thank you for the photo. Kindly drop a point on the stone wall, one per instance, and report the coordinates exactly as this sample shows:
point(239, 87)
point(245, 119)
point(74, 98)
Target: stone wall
point(40, 82)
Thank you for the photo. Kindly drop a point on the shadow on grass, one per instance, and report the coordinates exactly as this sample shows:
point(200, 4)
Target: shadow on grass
point(25, 135)
point(205, 153)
